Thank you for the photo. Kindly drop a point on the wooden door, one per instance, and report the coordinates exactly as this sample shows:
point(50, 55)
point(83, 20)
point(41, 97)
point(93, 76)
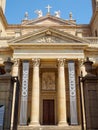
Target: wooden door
point(48, 112)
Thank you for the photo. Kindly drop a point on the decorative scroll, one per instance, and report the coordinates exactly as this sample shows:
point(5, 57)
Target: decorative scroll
point(2, 108)
point(72, 85)
point(48, 81)
point(24, 94)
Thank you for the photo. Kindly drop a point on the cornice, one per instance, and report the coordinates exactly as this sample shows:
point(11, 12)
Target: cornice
point(20, 26)
point(48, 45)
point(34, 21)
point(86, 26)
point(95, 49)
point(5, 49)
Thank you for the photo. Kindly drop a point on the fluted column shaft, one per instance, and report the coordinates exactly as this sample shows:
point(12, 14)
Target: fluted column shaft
point(62, 117)
point(35, 94)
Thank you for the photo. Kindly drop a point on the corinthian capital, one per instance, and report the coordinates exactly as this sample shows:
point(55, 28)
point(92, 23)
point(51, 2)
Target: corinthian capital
point(36, 62)
point(61, 62)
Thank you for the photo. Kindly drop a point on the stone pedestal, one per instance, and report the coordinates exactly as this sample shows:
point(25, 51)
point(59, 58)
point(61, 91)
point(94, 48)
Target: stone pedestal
point(90, 90)
point(6, 96)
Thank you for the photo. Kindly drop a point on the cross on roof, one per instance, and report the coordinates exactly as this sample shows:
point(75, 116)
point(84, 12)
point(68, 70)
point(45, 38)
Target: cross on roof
point(48, 8)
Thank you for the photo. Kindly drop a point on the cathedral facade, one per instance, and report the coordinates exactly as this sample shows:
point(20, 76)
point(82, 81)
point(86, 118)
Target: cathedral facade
point(48, 54)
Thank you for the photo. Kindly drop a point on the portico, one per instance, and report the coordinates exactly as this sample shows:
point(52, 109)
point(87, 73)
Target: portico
point(48, 92)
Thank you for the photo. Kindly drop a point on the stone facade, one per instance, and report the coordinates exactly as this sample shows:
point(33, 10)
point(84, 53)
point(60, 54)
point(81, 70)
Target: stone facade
point(6, 94)
point(48, 43)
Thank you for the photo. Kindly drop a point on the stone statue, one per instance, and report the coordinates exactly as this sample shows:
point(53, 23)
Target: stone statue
point(26, 16)
point(70, 16)
point(39, 13)
point(57, 14)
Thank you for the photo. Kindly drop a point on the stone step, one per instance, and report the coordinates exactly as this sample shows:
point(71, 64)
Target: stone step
point(49, 128)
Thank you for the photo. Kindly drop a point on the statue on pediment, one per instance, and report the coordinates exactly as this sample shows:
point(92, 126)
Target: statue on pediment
point(57, 14)
point(39, 13)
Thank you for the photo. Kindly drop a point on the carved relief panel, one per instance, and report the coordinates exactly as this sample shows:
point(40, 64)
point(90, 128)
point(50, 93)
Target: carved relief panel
point(48, 81)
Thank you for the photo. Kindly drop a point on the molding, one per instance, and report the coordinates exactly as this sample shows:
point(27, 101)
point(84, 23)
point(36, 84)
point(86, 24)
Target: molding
point(49, 17)
point(54, 32)
point(48, 55)
point(28, 46)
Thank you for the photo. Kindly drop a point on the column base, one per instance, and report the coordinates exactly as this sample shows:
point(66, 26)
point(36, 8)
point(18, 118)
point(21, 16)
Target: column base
point(34, 124)
point(62, 123)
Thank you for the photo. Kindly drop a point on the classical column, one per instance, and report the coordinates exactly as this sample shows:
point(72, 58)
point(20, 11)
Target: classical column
point(82, 69)
point(35, 93)
point(61, 94)
point(15, 72)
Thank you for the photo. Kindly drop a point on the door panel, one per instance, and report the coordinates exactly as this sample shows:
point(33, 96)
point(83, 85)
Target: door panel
point(48, 112)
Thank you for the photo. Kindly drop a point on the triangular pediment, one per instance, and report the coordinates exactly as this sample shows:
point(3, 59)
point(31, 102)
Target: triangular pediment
point(49, 20)
point(48, 35)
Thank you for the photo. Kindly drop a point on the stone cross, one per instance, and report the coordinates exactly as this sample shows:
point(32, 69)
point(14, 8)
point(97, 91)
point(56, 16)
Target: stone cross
point(48, 8)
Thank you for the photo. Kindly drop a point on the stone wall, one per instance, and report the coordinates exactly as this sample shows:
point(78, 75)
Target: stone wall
point(6, 92)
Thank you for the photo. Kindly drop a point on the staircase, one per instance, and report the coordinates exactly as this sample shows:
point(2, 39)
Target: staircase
point(49, 128)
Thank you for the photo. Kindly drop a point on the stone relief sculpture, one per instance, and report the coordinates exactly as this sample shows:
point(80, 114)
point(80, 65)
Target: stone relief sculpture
point(46, 40)
point(39, 13)
point(48, 81)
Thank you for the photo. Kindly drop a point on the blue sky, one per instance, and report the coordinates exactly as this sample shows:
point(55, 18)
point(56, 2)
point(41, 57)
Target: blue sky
point(81, 9)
